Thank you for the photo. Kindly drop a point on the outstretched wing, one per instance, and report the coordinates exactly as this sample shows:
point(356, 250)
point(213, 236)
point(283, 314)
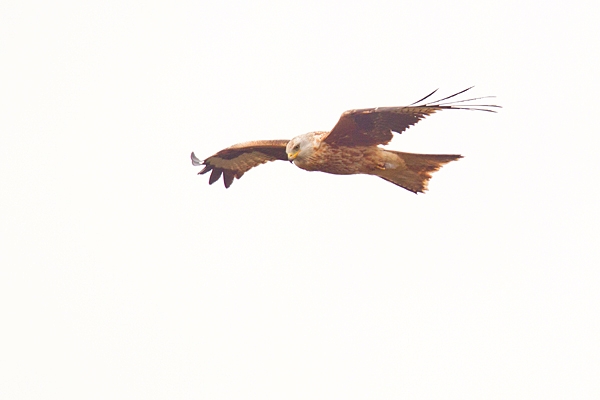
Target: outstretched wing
point(233, 161)
point(373, 126)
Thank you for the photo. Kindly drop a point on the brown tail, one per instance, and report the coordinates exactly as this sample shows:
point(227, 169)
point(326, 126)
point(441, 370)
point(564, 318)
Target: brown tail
point(413, 171)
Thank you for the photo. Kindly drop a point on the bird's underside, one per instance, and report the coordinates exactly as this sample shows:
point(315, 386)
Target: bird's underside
point(351, 147)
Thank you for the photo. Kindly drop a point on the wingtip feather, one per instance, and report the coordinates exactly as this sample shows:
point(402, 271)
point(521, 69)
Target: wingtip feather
point(205, 169)
point(195, 160)
point(426, 97)
point(214, 176)
point(228, 178)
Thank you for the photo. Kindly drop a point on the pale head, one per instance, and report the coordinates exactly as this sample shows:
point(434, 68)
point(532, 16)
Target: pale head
point(303, 146)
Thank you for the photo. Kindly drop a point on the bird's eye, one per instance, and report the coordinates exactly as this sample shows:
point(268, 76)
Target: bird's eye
point(297, 147)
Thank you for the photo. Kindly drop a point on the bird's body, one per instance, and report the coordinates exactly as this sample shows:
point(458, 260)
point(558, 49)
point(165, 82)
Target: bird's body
point(351, 147)
point(338, 160)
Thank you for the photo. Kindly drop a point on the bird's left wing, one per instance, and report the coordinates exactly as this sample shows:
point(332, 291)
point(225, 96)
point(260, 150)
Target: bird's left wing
point(234, 161)
point(374, 126)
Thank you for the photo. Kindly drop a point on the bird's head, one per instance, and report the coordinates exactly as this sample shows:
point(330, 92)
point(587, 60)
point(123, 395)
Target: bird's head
point(302, 146)
point(293, 148)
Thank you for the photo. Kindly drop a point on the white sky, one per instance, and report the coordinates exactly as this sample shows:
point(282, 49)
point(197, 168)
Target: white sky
point(125, 275)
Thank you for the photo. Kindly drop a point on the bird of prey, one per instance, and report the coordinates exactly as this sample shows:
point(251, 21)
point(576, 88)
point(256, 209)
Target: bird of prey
point(351, 147)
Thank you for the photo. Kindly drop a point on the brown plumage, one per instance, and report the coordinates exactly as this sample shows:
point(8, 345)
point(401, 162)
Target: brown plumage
point(351, 147)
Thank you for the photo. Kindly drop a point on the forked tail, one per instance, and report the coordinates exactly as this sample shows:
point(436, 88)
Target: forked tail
point(413, 171)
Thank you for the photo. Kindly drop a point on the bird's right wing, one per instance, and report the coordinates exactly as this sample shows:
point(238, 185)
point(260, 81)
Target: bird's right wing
point(234, 161)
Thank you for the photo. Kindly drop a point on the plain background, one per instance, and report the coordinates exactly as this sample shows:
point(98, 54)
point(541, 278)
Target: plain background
point(125, 275)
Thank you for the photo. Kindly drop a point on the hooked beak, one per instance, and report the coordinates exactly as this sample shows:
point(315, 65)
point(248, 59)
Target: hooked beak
point(292, 156)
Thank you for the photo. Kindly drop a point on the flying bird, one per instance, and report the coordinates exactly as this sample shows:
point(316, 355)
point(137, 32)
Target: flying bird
point(351, 147)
